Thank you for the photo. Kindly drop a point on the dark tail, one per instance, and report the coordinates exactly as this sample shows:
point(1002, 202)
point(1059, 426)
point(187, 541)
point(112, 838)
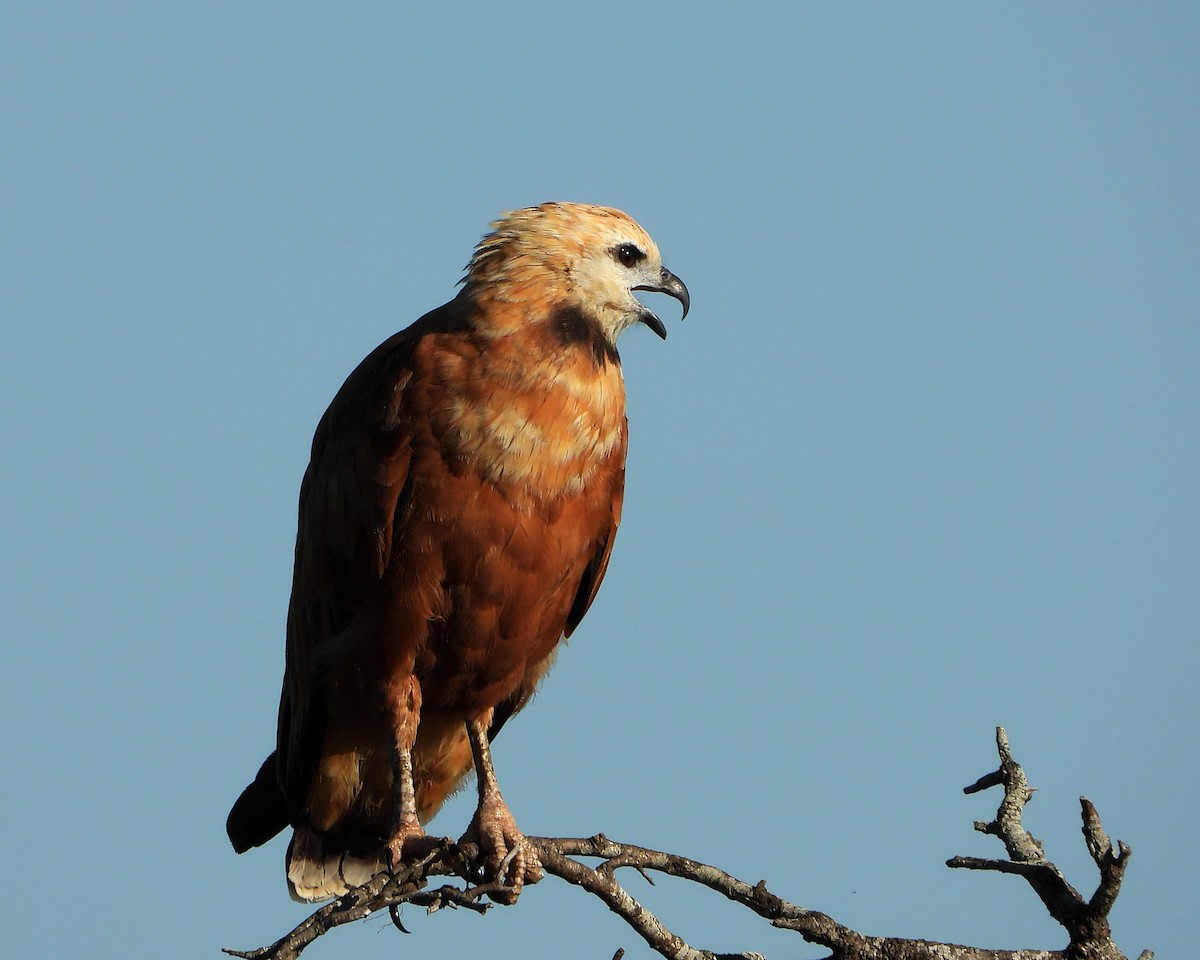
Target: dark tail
point(260, 812)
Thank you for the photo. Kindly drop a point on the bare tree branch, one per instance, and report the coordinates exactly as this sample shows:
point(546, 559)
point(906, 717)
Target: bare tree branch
point(1086, 921)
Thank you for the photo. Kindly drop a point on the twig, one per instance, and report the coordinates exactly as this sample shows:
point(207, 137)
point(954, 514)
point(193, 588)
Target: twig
point(1086, 921)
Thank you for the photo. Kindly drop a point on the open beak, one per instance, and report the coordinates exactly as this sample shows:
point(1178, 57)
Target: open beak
point(672, 286)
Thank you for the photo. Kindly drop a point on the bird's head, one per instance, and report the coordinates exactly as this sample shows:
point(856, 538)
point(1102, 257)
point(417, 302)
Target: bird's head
point(571, 263)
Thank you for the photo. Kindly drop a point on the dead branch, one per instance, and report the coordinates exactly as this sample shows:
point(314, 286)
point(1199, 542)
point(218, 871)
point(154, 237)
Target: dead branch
point(1085, 920)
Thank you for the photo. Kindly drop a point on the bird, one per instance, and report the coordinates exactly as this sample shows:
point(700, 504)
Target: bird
point(456, 519)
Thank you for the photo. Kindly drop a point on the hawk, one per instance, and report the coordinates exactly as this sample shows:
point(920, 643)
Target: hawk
point(456, 519)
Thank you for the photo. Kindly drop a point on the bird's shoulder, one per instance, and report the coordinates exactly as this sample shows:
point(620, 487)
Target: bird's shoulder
point(373, 395)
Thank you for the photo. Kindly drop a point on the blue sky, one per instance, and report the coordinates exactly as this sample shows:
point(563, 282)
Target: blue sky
point(922, 460)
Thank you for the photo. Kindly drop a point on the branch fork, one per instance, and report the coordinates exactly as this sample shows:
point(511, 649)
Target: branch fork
point(1085, 920)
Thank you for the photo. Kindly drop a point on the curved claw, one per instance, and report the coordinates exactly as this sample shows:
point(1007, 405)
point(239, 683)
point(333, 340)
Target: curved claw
point(410, 845)
point(505, 854)
point(508, 858)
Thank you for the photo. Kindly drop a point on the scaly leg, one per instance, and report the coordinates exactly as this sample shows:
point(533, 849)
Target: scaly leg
point(408, 840)
point(493, 827)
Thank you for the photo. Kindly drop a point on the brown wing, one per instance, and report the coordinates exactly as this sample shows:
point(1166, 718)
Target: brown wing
point(348, 499)
point(594, 574)
point(351, 500)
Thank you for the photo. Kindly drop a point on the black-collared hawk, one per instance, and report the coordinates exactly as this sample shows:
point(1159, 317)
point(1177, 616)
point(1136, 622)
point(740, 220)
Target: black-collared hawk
point(456, 519)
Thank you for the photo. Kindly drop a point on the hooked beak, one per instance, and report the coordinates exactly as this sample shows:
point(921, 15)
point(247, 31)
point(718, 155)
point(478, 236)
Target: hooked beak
point(672, 286)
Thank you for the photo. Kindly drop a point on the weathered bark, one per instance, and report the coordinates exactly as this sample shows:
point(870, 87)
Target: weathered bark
point(1085, 920)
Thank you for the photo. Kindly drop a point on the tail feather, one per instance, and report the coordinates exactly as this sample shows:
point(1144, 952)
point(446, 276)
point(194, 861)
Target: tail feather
point(319, 867)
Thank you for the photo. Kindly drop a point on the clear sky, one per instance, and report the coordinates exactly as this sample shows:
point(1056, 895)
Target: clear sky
point(924, 458)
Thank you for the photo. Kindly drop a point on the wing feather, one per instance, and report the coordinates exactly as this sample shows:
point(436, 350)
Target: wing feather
point(351, 501)
point(593, 576)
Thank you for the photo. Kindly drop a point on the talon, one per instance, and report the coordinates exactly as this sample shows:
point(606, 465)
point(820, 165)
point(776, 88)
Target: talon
point(410, 845)
point(509, 857)
point(394, 913)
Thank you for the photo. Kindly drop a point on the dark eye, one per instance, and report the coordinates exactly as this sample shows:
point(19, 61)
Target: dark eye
point(627, 254)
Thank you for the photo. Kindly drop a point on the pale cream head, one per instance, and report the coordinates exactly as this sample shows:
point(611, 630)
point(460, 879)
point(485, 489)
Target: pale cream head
point(578, 256)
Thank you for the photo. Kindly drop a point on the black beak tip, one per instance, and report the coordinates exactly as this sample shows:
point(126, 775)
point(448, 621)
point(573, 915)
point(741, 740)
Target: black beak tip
point(651, 320)
point(672, 286)
point(684, 299)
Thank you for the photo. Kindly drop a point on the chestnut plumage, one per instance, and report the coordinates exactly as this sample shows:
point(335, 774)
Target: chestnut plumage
point(456, 520)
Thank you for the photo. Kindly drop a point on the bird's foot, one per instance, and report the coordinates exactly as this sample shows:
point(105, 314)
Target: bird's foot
point(411, 844)
point(506, 854)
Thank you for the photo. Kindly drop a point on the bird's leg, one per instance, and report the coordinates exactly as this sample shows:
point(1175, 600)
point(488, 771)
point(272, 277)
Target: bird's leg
point(507, 855)
point(408, 839)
